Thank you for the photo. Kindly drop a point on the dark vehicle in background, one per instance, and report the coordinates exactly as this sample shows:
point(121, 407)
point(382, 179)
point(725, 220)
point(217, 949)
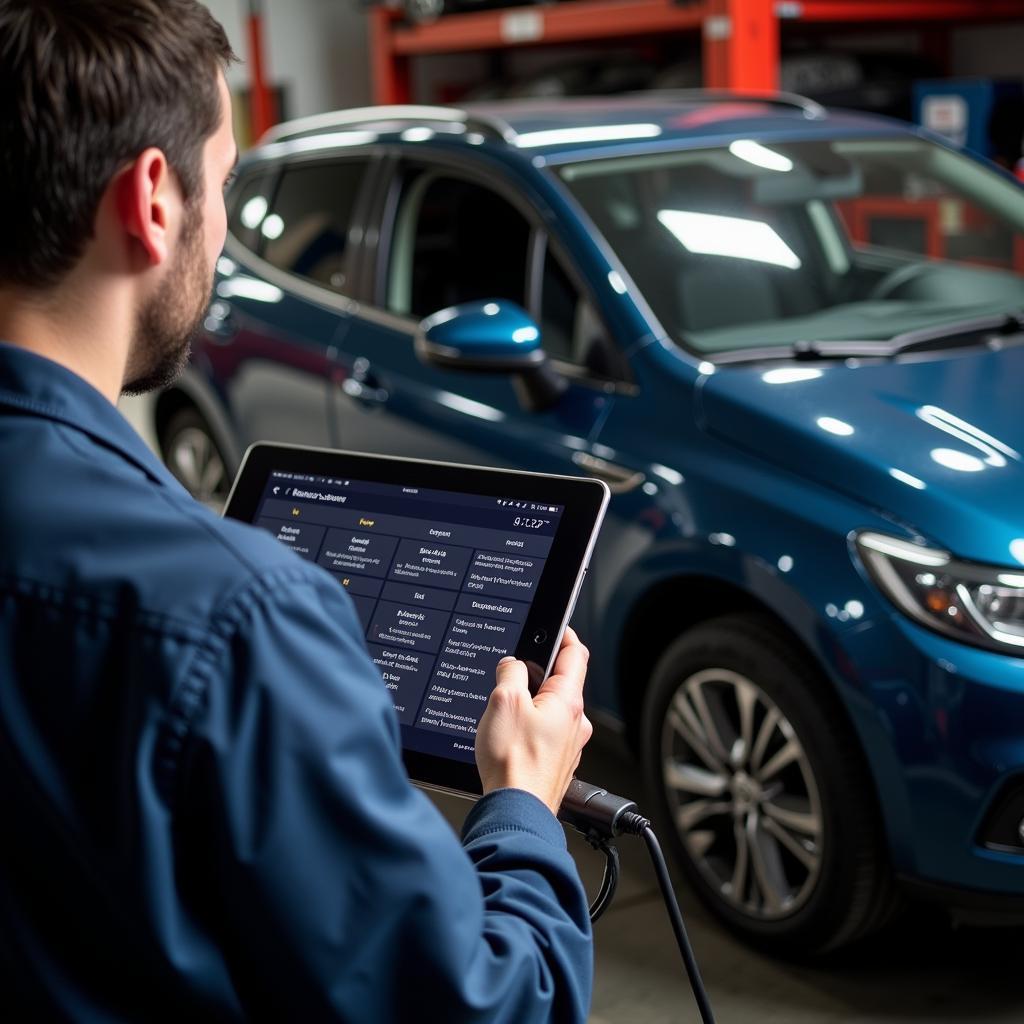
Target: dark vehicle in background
point(791, 343)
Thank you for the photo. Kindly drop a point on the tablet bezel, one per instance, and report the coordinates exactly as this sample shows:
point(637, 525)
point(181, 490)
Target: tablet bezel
point(584, 499)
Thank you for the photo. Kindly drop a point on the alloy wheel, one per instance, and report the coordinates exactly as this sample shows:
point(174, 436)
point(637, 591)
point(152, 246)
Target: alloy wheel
point(194, 459)
point(742, 794)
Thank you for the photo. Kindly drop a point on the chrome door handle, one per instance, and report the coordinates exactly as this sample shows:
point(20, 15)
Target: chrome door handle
point(619, 479)
point(364, 391)
point(220, 322)
point(363, 386)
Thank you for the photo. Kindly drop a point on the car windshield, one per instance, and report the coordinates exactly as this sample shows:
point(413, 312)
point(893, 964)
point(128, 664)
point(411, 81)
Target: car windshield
point(760, 245)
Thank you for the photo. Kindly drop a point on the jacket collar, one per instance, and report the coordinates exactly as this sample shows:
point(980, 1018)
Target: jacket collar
point(37, 386)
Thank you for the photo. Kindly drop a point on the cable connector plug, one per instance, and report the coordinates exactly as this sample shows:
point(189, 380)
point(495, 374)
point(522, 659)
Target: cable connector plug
point(594, 811)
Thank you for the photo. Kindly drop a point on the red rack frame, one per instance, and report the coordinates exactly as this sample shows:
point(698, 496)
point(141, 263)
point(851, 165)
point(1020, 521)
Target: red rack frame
point(740, 38)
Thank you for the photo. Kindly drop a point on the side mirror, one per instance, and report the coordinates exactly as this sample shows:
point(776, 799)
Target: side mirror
point(496, 336)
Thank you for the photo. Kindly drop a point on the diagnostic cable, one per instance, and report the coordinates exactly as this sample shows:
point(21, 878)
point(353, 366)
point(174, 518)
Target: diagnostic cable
point(600, 816)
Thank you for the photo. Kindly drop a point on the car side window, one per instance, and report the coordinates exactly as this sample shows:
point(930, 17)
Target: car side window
point(307, 232)
point(570, 329)
point(455, 241)
point(249, 204)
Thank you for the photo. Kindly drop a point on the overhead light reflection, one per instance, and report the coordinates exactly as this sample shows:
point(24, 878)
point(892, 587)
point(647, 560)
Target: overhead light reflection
point(417, 134)
point(760, 156)
point(273, 227)
point(785, 563)
point(994, 452)
point(960, 461)
point(667, 473)
point(615, 280)
point(833, 426)
point(314, 143)
point(469, 407)
point(253, 212)
point(906, 478)
point(1017, 549)
point(249, 288)
point(522, 335)
point(590, 133)
point(790, 376)
point(706, 368)
point(714, 235)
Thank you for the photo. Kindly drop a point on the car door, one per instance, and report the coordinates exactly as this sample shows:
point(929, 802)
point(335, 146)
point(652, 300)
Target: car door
point(449, 236)
point(280, 296)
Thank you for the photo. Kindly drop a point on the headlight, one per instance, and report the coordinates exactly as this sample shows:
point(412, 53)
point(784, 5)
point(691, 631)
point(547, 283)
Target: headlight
point(977, 604)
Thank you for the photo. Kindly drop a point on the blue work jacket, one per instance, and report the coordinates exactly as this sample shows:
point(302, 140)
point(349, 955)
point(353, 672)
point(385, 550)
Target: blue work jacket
point(205, 816)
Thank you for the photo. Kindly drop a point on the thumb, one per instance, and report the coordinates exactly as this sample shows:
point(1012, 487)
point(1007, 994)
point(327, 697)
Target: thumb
point(512, 673)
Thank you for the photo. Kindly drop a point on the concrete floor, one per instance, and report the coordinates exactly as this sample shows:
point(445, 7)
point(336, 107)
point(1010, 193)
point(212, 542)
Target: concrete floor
point(921, 970)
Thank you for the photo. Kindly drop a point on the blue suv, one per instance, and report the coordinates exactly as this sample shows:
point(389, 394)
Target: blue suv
point(790, 340)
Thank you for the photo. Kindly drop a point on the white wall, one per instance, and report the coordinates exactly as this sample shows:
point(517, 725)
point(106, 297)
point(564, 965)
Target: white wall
point(317, 48)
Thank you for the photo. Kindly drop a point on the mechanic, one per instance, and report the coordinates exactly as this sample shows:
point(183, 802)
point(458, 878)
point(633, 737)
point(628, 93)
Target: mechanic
point(206, 815)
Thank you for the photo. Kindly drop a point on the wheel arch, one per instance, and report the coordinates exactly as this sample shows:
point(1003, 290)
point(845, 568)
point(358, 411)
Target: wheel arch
point(677, 603)
point(191, 391)
point(659, 616)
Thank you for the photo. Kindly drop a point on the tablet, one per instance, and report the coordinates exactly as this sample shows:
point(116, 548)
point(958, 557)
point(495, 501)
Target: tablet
point(450, 569)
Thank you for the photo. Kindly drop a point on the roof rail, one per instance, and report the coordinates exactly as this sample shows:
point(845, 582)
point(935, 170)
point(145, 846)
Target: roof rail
point(789, 100)
point(415, 114)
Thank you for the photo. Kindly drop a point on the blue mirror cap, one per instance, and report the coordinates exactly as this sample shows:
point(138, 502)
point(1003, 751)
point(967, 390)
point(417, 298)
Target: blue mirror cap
point(495, 334)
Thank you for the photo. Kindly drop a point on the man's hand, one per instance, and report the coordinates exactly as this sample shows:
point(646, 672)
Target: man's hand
point(535, 743)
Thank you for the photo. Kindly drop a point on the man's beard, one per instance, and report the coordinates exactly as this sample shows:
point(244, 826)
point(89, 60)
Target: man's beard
point(169, 322)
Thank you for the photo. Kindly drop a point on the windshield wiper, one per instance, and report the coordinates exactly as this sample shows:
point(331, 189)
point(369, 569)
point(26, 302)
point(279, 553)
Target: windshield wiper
point(991, 330)
point(805, 351)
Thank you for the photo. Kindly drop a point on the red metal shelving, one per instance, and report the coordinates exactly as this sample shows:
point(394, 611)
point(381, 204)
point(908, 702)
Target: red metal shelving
point(740, 38)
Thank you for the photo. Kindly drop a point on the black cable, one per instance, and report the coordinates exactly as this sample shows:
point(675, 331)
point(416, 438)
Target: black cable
point(610, 880)
point(675, 916)
point(600, 815)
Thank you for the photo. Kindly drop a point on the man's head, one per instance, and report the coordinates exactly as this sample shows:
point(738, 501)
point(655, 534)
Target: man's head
point(115, 144)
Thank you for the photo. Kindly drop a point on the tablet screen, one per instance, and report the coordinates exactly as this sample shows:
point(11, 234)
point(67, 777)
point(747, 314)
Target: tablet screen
point(442, 581)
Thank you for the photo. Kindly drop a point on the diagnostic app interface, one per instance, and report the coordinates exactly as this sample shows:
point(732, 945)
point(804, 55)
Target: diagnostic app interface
point(442, 583)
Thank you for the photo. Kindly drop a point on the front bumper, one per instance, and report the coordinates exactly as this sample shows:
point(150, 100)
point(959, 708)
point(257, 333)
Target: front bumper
point(943, 727)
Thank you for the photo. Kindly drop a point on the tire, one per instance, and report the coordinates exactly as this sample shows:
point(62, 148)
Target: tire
point(774, 821)
point(192, 454)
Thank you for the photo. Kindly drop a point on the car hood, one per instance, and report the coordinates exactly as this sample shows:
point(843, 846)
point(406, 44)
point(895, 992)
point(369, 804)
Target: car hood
point(936, 443)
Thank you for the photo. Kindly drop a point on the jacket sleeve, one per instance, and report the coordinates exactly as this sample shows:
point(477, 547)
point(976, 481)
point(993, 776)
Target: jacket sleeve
point(335, 889)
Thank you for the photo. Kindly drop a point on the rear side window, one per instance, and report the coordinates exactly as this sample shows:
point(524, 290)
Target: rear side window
point(249, 204)
point(307, 232)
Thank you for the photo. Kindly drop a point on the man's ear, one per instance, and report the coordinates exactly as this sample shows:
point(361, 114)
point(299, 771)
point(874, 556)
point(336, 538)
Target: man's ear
point(148, 203)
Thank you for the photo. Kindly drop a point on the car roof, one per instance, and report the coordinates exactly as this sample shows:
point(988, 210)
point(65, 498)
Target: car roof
point(565, 129)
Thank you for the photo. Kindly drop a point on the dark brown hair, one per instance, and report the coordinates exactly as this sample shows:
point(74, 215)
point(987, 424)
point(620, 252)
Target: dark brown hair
point(85, 87)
